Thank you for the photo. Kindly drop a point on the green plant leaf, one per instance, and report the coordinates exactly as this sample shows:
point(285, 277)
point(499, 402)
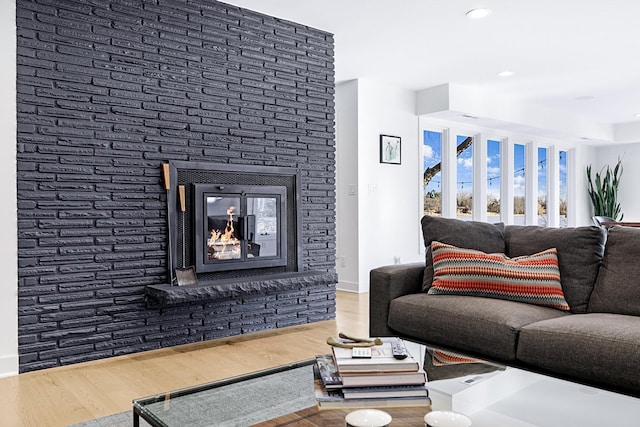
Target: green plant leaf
point(603, 190)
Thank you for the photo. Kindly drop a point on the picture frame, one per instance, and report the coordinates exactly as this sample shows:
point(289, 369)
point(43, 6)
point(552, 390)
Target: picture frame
point(390, 149)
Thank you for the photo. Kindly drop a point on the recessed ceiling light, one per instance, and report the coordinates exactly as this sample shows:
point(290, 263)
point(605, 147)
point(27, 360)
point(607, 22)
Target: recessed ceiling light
point(585, 98)
point(637, 115)
point(478, 13)
point(505, 73)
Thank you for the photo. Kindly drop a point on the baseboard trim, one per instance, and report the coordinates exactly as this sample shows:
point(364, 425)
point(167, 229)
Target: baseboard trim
point(348, 286)
point(8, 366)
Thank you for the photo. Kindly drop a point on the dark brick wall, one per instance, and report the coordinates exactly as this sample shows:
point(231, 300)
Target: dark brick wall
point(107, 92)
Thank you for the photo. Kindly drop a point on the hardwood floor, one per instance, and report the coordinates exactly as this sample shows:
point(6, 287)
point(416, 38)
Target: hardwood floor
point(84, 391)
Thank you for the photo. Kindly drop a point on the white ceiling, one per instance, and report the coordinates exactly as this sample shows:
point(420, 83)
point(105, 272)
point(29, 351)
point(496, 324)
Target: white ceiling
point(579, 57)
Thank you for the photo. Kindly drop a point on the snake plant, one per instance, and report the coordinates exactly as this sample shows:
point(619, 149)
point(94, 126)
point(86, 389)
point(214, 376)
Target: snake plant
point(604, 191)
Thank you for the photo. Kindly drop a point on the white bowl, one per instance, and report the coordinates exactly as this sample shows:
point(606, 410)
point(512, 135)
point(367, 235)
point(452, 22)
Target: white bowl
point(367, 418)
point(446, 419)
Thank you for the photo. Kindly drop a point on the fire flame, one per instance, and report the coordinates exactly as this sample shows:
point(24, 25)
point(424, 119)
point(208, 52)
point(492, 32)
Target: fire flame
point(225, 245)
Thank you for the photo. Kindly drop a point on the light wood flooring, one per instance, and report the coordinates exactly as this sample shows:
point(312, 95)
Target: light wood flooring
point(72, 394)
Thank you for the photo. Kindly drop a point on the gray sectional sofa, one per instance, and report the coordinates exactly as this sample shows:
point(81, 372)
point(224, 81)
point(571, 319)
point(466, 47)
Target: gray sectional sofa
point(596, 341)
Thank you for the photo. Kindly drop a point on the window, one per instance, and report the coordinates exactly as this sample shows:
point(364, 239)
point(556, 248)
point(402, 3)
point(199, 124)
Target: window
point(542, 186)
point(562, 166)
point(464, 184)
point(431, 175)
point(493, 181)
point(519, 183)
point(503, 181)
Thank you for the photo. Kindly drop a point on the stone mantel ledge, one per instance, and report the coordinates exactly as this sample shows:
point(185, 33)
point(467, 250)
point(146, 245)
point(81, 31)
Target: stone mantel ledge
point(158, 296)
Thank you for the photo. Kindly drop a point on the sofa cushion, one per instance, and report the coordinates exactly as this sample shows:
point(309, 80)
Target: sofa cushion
point(599, 347)
point(580, 252)
point(617, 289)
point(476, 235)
point(473, 325)
point(534, 279)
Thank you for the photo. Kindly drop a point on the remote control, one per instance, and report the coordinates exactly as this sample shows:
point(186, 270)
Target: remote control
point(361, 352)
point(398, 350)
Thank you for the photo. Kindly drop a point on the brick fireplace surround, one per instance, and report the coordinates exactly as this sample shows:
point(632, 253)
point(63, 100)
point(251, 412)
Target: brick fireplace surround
point(107, 92)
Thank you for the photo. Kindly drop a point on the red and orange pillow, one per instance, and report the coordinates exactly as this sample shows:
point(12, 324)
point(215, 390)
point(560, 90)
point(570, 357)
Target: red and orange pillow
point(533, 279)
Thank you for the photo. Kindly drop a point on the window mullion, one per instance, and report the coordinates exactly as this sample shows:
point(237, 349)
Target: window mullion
point(506, 181)
point(572, 189)
point(531, 186)
point(479, 178)
point(449, 174)
point(553, 185)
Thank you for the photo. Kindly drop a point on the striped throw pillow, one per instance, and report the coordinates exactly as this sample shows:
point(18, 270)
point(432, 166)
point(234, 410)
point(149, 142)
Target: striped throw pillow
point(444, 358)
point(533, 279)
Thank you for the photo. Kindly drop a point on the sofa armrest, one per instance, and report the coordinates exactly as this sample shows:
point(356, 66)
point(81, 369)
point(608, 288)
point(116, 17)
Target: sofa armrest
point(385, 284)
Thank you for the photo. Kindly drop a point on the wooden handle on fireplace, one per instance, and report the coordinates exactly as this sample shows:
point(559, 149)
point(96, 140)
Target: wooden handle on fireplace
point(183, 206)
point(165, 174)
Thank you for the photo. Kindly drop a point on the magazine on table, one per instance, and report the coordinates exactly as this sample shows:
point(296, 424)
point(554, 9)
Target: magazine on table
point(381, 359)
point(385, 391)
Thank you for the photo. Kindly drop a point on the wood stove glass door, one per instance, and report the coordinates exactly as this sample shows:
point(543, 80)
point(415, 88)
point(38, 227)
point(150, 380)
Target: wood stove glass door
point(262, 218)
point(224, 239)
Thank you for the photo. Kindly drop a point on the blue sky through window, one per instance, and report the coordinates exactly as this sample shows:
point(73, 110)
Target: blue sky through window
point(465, 167)
point(518, 170)
point(493, 169)
point(563, 176)
point(432, 155)
point(542, 172)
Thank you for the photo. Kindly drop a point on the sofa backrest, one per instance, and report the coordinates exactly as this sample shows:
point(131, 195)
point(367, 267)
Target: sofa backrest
point(617, 289)
point(580, 254)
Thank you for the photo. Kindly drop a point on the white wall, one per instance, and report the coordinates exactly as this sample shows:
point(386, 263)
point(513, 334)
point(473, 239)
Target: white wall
point(628, 190)
point(8, 235)
point(389, 210)
point(387, 195)
point(584, 155)
point(347, 185)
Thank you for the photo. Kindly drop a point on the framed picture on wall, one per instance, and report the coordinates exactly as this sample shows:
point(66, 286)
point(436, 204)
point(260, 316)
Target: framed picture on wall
point(390, 147)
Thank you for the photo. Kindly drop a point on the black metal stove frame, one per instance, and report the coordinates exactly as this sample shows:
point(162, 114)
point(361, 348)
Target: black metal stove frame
point(200, 176)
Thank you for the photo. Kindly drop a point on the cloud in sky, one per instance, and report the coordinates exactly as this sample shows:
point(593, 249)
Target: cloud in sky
point(466, 163)
point(495, 194)
point(518, 185)
point(427, 152)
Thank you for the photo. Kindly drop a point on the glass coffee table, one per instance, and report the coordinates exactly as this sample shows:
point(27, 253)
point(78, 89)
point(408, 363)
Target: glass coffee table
point(273, 397)
point(488, 393)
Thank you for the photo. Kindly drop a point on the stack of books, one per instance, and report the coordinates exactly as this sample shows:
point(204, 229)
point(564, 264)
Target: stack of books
point(343, 381)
